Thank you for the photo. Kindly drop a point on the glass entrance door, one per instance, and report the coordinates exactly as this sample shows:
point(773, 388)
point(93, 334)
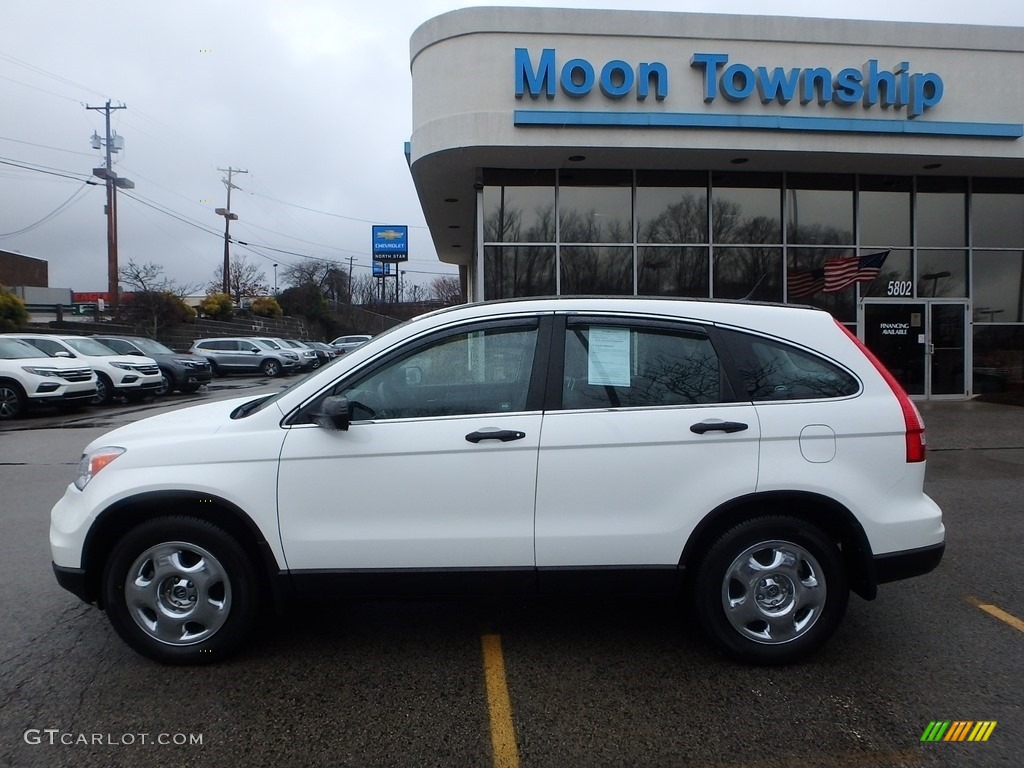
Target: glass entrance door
point(922, 343)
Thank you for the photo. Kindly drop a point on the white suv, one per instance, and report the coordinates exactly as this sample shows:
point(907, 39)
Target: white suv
point(128, 376)
point(28, 377)
point(755, 456)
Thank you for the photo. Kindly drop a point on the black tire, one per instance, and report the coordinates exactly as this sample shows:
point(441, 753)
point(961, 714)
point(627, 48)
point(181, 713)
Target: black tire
point(170, 616)
point(12, 401)
point(189, 389)
point(166, 384)
point(771, 590)
point(214, 369)
point(270, 368)
point(104, 390)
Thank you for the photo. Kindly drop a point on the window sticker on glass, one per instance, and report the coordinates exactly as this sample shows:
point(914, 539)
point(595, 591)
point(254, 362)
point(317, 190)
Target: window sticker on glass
point(608, 357)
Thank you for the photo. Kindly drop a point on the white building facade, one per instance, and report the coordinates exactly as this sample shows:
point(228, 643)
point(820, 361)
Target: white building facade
point(873, 169)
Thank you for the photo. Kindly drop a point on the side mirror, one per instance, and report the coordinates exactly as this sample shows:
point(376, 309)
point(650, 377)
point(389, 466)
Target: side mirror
point(63, 353)
point(335, 414)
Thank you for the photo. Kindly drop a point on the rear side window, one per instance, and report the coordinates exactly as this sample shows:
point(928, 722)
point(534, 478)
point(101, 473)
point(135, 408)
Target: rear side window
point(772, 370)
point(634, 367)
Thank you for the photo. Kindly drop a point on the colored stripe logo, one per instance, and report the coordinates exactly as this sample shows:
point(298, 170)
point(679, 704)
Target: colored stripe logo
point(958, 730)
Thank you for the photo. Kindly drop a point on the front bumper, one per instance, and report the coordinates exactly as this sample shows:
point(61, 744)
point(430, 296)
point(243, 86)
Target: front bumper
point(73, 580)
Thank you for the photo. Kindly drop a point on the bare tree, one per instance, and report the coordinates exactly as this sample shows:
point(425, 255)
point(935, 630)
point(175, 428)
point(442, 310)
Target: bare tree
point(156, 299)
point(328, 276)
point(245, 280)
point(446, 289)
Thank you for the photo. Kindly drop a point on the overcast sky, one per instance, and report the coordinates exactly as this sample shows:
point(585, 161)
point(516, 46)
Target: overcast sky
point(311, 97)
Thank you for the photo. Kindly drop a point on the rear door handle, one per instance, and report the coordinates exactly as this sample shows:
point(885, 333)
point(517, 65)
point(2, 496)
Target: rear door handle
point(505, 435)
point(717, 426)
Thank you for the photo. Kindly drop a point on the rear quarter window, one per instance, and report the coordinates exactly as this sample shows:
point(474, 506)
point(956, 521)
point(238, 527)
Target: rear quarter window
point(773, 370)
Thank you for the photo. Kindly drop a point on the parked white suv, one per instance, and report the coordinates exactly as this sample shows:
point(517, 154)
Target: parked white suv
point(28, 377)
point(755, 456)
point(117, 375)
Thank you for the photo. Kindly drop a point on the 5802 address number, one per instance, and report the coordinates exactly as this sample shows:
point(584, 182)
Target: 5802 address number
point(900, 288)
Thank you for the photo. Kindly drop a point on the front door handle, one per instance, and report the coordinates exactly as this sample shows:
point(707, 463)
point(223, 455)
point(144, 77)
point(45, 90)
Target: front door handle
point(505, 435)
point(718, 426)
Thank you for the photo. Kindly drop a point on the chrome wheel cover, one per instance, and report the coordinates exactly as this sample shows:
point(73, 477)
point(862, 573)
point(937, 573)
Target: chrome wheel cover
point(774, 592)
point(178, 593)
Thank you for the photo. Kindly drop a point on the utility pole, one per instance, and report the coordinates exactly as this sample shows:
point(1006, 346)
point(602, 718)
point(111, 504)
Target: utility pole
point(228, 216)
point(350, 260)
point(112, 144)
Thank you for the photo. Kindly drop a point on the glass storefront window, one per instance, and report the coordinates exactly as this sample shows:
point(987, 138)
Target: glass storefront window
point(595, 207)
point(941, 273)
point(999, 286)
point(998, 358)
point(819, 209)
point(805, 282)
point(665, 271)
point(519, 214)
point(755, 272)
point(746, 208)
point(885, 211)
point(997, 213)
point(512, 272)
point(606, 271)
point(896, 280)
point(671, 207)
point(941, 213)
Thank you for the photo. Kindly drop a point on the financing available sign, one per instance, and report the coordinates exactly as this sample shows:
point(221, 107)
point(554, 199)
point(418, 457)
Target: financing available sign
point(390, 243)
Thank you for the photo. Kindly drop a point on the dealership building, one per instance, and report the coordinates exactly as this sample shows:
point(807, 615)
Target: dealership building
point(874, 169)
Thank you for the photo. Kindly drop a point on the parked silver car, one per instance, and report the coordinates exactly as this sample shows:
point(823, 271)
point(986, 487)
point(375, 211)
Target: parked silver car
point(245, 355)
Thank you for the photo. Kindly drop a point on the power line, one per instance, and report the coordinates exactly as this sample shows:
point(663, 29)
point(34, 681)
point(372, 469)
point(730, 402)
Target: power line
point(328, 213)
point(52, 214)
point(46, 146)
point(46, 169)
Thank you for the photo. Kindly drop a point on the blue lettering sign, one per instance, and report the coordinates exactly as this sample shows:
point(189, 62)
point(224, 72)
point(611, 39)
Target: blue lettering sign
point(577, 77)
point(870, 85)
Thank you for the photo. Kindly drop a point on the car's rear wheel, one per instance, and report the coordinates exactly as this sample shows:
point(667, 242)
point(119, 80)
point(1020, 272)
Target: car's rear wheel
point(104, 390)
point(772, 590)
point(271, 368)
point(12, 401)
point(180, 590)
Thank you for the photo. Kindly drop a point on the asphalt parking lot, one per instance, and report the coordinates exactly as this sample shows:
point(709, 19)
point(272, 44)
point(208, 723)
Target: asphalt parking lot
point(496, 682)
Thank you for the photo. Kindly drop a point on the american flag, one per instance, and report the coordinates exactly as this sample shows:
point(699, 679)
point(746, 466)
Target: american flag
point(843, 272)
point(804, 283)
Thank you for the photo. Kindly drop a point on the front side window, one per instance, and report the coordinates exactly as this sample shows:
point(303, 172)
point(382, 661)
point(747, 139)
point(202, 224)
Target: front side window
point(474, 372)
point(90, 347)
point(771, 370)
point(629, 367)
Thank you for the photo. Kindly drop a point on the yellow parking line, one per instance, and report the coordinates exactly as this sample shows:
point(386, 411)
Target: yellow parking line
point(999, 613)
point(503, 733)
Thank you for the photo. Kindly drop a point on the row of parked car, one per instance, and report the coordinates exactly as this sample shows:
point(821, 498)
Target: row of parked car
point(71, 371)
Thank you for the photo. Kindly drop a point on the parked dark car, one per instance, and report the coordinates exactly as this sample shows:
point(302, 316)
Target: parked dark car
point(178, 371)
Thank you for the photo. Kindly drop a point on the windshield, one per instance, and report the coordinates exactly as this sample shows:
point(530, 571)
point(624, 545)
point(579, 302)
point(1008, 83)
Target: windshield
point(151, 347)
point(89, 347)
point(12, 349)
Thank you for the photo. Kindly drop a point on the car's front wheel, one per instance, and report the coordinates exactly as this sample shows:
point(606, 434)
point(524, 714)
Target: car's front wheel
point(166, 384)
point(104, 390)
point(772, 590)
point(12, 401)
point(271, 368)
point(180, 590)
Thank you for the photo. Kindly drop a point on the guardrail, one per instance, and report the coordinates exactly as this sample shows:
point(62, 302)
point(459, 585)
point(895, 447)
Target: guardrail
point(88, 309)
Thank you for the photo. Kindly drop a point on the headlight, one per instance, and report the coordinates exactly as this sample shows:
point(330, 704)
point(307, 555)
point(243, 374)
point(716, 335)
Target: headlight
point(124, 366)
point(92, 463)
point(187, 363)
point(290, 355)
point(40, 371)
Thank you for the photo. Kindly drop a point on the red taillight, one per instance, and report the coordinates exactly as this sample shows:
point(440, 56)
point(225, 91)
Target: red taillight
point(912, 421)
